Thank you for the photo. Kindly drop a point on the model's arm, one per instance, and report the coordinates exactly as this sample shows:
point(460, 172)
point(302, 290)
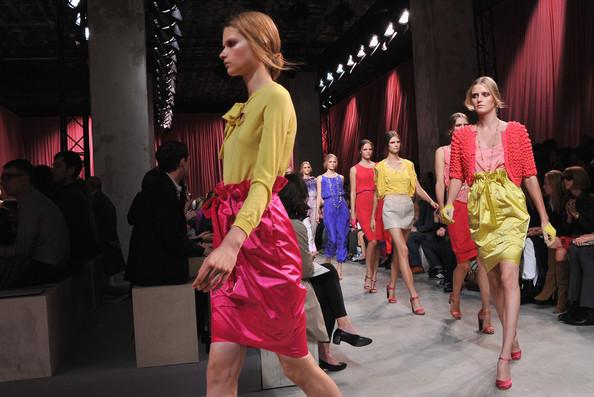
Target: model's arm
point(353, 180)
point(375, 199)
point(439, 177)
point(533, 188)
point(422, 194)
point(318, 197)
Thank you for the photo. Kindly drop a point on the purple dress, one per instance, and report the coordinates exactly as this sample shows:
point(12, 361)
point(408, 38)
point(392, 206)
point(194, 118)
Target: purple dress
point(336, 218)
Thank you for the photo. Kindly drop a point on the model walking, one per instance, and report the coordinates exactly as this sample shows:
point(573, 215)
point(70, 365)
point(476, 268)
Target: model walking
point(396, 184)
point(330, 187)
point(254, 273)
point(459, 232)
point(493, 158)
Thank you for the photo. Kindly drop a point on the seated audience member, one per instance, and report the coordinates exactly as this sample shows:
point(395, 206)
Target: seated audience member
point(159, 246)
point(327, 285)
point(39, 253)
point(106, 227)
point(71, 197)
point(423, 235)
point(580, 309)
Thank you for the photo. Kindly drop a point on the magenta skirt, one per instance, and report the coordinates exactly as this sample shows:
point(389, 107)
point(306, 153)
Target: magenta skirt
point(262, 303)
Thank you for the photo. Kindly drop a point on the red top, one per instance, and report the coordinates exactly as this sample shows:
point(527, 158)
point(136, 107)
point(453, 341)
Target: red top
point(517, 147)
point(365, 179)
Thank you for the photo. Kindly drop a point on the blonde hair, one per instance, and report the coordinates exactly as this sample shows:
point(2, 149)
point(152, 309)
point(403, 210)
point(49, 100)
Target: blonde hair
point(454, 117)
point(262, 34)
point(491, 87)
point(302, 165)
point(327, 158)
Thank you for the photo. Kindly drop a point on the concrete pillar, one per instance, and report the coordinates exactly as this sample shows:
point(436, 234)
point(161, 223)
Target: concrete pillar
point(308, 144)
point(444, 58)
point(123, 136)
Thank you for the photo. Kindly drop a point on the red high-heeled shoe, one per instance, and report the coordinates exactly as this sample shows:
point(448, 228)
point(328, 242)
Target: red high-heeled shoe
point(482, 316)
point(391, 299)
point(503, 384)
point(373, 288)
point(455, 302)
point(516, 356)
point(419, 311)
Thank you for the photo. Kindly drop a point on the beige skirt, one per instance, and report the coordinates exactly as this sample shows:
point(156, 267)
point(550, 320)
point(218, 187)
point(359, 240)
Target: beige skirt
point(398, 212)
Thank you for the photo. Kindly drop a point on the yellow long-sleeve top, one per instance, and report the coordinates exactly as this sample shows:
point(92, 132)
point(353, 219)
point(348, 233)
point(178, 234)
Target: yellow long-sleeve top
point(391, 181)
point(258, 144)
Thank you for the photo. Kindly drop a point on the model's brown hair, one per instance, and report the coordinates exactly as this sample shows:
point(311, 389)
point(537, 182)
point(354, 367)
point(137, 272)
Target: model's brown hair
point(454, 117)
point(262, 34)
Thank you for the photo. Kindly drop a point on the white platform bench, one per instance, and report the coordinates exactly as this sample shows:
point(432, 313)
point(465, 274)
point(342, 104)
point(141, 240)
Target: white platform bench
point(165, 325)
point(272, 373)
point(37, 326)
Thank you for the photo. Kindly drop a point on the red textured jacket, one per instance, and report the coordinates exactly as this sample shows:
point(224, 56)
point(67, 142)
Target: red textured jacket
point(517, 149)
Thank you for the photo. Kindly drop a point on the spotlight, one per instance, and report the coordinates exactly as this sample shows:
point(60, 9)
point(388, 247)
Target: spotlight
point(168, 9)
point(384, 46)
point(87, 33)
point(162, 22)
point(321, 83)
point(165, 40)
point(339, 69)
point(404, 17)
point(374, 41)
point(73, 3)
point(329, 76)
point(77, 20)
point(361, 52)
point(389, 30)
point(350, 62)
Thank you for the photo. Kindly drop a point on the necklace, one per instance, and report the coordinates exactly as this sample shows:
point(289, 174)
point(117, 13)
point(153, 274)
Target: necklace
point(492, 147)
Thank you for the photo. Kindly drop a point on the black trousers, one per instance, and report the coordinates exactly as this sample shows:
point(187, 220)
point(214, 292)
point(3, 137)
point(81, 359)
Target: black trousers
point(329, 294)
point(581, 275)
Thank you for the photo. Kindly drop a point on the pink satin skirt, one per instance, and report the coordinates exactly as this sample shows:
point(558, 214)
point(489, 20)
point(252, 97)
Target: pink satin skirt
point(262, 303)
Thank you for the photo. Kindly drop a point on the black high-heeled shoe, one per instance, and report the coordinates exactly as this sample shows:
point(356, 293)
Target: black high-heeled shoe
point(351, 339)
point(331, 367)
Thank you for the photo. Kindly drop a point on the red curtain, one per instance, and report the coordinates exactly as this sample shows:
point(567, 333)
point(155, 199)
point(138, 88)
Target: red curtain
point(11, 142)
point(203, 133)
point(385, 104)
point(545, 62)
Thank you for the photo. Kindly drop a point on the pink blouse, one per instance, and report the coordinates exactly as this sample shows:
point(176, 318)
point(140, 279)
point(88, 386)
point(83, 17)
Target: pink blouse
point(490, 159)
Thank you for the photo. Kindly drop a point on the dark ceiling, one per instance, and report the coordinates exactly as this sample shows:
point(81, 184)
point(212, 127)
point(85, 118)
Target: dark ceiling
point(317, 34)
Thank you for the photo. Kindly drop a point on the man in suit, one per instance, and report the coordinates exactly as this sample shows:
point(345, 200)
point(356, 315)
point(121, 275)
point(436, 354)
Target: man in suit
point(159, 246)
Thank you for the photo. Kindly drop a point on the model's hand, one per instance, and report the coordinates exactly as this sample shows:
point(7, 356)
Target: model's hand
point(216, 268)
point(549, 233)
point(433, 204)
point(353, 222)
point(447, 214)
point(372, 224)
point(318, 215)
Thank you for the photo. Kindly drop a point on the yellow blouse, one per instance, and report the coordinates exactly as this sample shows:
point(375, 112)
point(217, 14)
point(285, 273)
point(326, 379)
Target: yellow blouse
point(391, 181)
point(258, 145)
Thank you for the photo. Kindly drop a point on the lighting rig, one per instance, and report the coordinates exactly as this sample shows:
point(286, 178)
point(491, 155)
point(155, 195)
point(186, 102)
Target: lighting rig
point(164, 36)
point(377, 41)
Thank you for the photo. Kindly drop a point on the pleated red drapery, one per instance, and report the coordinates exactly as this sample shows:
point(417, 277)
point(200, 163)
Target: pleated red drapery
point(11, 142)
point(545, 64)
point(385, 104)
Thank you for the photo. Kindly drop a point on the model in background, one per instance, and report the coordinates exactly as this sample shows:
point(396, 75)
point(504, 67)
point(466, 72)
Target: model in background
point(330, 187)
point(459, 232)
point(396, 183)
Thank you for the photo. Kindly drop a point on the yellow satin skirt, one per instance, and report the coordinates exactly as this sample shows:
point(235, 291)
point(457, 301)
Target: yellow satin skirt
point(498, 218)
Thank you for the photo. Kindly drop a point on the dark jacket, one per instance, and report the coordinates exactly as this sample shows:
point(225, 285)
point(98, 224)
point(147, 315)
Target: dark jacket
point(106, 224)
point(73, 201)
point(159, 246)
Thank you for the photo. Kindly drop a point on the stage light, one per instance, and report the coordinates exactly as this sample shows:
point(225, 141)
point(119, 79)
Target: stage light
point(361, 52)
point(374, 41)
point(73, 3)
point(163, 22)
point(339, 69)
point(389, 30)
point(77, 20)
point(404, 18)
point(165, 40)
point(171, 10)
point(321, 83)
point(87, 33)
point(384, 46)
point(350, 62)
point(329, 76)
